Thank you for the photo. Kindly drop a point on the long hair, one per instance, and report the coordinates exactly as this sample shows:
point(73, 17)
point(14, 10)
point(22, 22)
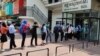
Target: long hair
point(4, 25)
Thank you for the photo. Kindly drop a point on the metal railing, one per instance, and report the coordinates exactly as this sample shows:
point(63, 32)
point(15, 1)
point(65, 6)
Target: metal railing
point(94, 43)
point(56, 51)
point(14, 54)
point(38, 50)
point(82, 45)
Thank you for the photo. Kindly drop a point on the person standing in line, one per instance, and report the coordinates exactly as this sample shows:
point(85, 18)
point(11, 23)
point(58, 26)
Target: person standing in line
point(56, 32)
point(48, 34)
point(12, 35)
point(62, 32)
point(34, 34)
point(66, 32)
point(78, 32)
point(70, 32)
point(23, 31)
point(44, 33)
point(3, 31)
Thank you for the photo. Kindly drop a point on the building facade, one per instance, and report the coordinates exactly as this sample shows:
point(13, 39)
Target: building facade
point(76, 12)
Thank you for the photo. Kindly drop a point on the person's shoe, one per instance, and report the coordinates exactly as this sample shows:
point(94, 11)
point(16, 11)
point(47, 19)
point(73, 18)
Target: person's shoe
point(22, 48)
point(10, 48)
point(14, 47)
point(32, 45)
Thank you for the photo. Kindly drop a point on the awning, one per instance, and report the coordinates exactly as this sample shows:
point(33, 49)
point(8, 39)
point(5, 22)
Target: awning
point(27, 18)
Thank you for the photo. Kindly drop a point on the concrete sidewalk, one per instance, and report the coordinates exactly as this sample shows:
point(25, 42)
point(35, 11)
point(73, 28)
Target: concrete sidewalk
point(63, 51)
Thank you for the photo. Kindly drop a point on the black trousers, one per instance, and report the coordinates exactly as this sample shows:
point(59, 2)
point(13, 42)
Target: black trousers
point(78, 35)
point(70, 35)
point(12, 40)
point(43, 36)
point(62, 36)
point(34, 36)
point(66, 36)
point(23, 39)
point(56, 37)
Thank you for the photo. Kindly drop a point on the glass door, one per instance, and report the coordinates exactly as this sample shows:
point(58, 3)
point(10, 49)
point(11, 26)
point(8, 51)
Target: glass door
point(85, 29)
point(94, 28)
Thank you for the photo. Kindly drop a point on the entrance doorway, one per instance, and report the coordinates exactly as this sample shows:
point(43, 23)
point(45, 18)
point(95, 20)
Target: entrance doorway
point(79, 20)
point(90, 26)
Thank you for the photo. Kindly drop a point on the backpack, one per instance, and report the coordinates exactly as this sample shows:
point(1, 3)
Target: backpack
point(23, 29)
point(78, 28)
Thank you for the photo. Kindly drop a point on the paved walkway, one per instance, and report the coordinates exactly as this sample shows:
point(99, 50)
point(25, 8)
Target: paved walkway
point(64, 51)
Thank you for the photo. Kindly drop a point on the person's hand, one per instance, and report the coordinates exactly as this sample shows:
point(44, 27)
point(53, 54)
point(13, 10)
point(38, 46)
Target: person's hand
point(17, 31)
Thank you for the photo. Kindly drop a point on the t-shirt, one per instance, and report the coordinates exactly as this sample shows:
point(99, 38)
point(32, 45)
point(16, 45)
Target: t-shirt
point(44, 29)
point(34, 29)
point(70, 29)
point(3, 30)
point(12, 29)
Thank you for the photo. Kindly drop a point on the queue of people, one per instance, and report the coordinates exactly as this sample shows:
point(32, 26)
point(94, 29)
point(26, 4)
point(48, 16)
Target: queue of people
point(66, 32)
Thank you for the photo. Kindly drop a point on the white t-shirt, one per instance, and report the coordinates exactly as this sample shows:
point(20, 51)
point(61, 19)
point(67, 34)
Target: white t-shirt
point(45, 29)
point(70, 29)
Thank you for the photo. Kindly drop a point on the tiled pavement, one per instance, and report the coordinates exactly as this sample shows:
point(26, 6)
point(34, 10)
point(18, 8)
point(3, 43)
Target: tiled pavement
point(63, 51)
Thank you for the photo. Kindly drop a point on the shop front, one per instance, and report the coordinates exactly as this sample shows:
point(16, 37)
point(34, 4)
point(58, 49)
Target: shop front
point(86, 14)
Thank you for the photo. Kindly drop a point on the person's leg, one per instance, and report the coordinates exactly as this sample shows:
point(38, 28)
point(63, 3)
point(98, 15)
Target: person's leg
point(66, 37)
point(36, 39)
point(32, 40)
point(77, 35)
point(62, 35)
point(50, 37)
point(2, 46)
point(13, 40)
point(47, 37)
point(56, 37)
point(43, 36)
point(23, 39)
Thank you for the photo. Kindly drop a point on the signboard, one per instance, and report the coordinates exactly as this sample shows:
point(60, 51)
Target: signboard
point(76, 5)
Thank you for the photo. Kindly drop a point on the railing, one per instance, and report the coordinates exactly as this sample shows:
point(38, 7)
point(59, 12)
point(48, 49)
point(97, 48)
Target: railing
point(38, 50)
point(94, 43)
point(82, 45)
point(14, 54)
point(56, 51)
point(37, 12)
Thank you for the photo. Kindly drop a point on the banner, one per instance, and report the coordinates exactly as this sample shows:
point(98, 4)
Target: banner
point(21, 3)
point(76, 5)
point(16, 7)
point(9, 8)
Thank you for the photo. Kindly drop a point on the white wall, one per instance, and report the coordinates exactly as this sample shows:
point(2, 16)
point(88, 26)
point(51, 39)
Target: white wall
point(55, 17)
point(39, 4)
